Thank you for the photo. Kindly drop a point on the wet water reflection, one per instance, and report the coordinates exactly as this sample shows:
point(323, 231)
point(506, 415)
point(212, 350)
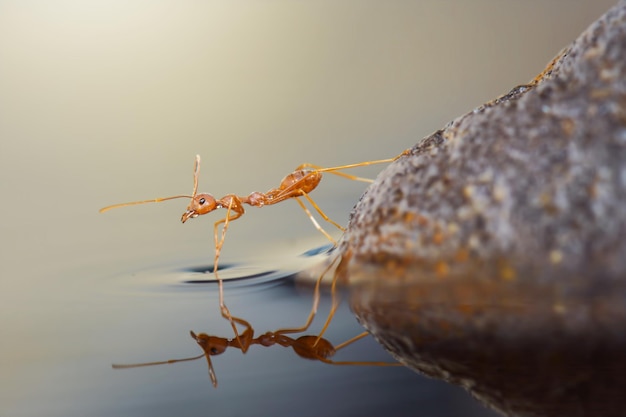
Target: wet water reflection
point(308, 346)
point(271, 381)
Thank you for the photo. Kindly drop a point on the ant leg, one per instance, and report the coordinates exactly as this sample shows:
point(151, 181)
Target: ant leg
point(245, 339)
point(315, 223)
point(333, 291)
point(216, 259)
point(334, 171)
point(358, 363)
point(349, 342)
point(324, 216)
point(316, 301)
point(218, 248)
point(333, 310)
point(219, 243)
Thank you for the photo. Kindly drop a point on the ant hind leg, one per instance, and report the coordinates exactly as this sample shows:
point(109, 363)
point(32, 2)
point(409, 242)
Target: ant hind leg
point(343, 259)
point(324, 216)
point(337, 170)
point(315, 305)
point(334, 171)
point(315, 223)
point(361, 363)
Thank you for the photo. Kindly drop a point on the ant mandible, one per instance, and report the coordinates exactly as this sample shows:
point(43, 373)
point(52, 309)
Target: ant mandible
point(308, 347)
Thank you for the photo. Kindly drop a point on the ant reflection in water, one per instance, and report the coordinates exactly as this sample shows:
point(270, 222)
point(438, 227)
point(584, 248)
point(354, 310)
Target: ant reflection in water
point(311, 347)
point(299, 183)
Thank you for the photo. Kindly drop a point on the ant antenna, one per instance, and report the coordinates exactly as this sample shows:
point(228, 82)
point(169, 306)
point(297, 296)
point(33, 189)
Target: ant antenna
point(134, 203)
point(205, 354)
point(196, 172)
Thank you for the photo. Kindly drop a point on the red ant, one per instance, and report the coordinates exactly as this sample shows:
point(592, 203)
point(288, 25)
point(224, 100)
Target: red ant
point(307, 346)
point(302, 181)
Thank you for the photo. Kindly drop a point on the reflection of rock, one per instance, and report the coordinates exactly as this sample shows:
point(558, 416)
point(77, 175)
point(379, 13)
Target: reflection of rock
point(494, 256)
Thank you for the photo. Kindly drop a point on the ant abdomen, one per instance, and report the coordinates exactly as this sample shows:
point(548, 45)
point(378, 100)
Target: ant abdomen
point(307, 180)
point(313, 347)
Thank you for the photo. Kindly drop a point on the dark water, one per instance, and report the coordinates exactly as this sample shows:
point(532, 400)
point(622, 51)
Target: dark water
point(152, 311)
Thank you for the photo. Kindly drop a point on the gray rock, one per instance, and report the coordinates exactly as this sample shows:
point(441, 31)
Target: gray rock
point(493, 254)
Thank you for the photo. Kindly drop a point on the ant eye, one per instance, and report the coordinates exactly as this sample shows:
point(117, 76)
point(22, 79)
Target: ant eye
point(214, 351)
point(202, 201)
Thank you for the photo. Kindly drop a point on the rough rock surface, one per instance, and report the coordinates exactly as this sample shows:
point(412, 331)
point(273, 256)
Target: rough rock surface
point(493, 255)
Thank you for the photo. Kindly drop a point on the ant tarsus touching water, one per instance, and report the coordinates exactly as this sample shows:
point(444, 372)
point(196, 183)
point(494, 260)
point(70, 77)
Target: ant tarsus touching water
point(308, 347)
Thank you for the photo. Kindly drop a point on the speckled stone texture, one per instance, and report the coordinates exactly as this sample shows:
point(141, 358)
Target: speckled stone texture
point(493, 255)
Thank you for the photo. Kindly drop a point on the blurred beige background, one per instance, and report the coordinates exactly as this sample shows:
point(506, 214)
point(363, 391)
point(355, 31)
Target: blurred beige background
point(108, 101)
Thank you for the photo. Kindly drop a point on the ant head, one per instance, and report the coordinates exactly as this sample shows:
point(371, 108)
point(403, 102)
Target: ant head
point(212, 345)
point(200, 204)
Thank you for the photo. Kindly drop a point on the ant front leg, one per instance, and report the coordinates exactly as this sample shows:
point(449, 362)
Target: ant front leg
point(233, 203)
